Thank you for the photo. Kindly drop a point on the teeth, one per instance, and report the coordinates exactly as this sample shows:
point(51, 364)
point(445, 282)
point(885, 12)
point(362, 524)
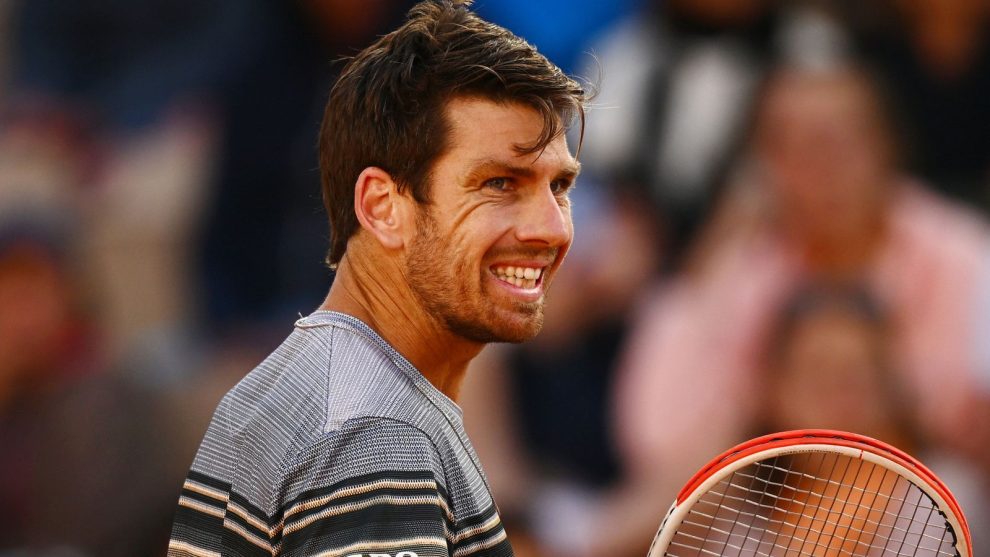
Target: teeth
point(524, 283)
point(522, 277)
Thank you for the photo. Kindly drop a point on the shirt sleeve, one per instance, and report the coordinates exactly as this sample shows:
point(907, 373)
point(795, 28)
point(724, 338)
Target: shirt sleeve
point(373, 486)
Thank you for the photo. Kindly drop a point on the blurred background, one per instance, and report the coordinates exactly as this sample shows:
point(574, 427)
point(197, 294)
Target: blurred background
point(782, 223)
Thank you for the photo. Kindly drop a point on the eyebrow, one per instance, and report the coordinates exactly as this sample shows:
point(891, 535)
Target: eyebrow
point(483, 166)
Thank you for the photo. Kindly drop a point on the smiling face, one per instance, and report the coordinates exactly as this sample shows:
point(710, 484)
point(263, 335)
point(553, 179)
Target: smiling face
point(497, 225)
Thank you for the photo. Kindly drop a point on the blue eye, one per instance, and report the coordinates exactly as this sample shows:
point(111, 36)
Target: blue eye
point(500, 184)
point(558, 187)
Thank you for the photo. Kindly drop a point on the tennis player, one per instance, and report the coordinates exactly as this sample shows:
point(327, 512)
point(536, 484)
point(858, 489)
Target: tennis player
point(445, 173)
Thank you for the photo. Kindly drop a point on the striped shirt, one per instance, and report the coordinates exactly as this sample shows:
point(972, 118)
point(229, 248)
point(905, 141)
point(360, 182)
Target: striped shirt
point(336, 446)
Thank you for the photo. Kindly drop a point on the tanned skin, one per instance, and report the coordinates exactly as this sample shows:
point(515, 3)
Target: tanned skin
point(430, 277)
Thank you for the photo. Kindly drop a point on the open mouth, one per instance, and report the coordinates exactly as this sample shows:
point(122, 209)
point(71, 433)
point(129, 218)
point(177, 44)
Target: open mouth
point(520, 277)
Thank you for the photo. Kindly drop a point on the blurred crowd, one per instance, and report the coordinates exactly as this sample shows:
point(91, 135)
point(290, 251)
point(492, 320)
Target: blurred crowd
point(781, 224)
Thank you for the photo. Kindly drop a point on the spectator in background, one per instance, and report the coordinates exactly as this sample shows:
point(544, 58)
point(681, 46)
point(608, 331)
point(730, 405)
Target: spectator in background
point(934, 56)
point(139, 121)
point(186, 116)
point(41, 340)
point(820, 198)
point(125, 89)
point(71, 431)
point(678, 83)
point(828, 364)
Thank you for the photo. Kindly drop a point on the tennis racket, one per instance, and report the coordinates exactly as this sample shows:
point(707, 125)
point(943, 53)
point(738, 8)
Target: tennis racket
point(814, 493)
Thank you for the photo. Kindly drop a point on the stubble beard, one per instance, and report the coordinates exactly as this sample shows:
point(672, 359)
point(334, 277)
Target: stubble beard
point(444, 293)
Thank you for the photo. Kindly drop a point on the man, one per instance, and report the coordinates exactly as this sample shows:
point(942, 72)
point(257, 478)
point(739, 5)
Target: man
point(445, 174)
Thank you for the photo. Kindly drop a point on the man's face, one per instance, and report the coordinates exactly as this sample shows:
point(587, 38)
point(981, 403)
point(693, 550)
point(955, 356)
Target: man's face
point(497, 226)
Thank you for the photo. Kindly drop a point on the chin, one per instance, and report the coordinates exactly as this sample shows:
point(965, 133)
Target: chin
point(512, 331)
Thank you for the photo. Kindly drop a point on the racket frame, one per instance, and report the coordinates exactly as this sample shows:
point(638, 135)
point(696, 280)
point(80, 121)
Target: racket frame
point(805, 441)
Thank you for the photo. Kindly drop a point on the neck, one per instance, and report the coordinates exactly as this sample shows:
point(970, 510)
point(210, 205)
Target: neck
point(380, 297)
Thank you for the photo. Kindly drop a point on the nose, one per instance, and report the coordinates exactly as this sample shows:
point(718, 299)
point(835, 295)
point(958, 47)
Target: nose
point(545, 219)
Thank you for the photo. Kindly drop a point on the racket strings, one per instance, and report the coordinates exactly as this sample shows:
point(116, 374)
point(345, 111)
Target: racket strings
point(776, 506)
point(814, 505)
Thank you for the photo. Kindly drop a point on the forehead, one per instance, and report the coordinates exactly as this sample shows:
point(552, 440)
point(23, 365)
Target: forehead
point(482, 129)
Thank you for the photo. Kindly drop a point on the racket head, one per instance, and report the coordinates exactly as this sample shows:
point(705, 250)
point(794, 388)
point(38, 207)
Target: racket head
point(801, 448)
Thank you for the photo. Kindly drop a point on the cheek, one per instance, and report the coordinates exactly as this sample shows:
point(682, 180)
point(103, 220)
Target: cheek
point(486, 232)
point(467, 254)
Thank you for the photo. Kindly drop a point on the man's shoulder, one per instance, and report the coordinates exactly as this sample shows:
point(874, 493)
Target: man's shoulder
point(325, 399)
point(307, 426)
point(335, 429)
point(319, 379)
point(328, 371)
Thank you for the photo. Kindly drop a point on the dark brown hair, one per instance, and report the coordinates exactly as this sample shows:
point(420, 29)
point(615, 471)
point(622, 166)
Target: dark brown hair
point(387, 107)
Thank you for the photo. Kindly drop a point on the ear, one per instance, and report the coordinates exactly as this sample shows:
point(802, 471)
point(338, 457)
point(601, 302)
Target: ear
point(377, 204)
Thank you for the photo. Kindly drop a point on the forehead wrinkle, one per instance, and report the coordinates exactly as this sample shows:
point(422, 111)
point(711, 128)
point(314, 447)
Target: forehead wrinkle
point(470, 115)
point(570, 167)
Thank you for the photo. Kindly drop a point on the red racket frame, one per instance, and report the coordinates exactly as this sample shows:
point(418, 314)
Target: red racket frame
point(828, 437)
